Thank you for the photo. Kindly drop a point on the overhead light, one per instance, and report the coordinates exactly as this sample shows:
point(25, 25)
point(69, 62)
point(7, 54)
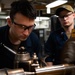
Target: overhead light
point(55, 4)
point(48, 10)
point(0, 8)
point(41, 18)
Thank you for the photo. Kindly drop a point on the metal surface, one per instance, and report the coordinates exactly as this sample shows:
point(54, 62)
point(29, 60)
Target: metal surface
point(22, 57)
point(16, 72)
point(6, 71)
point(56, 70)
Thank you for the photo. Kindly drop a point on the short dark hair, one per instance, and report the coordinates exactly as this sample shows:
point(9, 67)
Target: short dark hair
point(24, 7)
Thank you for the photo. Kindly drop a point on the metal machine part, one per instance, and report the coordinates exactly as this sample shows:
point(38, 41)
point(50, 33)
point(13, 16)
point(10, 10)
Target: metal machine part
point(6, 71)
point(22, 55)
point(65, 69)
point(22, 59)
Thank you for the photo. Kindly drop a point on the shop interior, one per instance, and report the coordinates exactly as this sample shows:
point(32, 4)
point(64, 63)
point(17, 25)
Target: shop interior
point(46, 22)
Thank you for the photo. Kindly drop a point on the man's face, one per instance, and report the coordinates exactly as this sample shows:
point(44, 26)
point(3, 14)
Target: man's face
point(66, 18)
point(21, 27)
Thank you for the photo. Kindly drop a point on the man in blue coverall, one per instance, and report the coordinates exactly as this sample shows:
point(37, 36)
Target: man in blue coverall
point(18, 33)
point(56, 40)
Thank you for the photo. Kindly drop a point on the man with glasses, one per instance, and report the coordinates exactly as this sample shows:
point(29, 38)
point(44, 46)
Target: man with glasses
point(19, 33)
point(56, 40)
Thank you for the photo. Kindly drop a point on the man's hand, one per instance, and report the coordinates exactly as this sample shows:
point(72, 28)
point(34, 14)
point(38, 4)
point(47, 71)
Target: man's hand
point(48, 64)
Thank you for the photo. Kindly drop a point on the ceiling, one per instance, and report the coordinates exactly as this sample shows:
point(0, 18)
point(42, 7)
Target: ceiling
point(6, 3)
point(39, 4)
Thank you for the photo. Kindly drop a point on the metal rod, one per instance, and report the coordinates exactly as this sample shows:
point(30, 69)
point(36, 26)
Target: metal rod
point(8, 48)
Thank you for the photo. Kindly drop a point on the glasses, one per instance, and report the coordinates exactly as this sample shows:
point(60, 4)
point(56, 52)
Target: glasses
point(62, 17)
point(23, 27)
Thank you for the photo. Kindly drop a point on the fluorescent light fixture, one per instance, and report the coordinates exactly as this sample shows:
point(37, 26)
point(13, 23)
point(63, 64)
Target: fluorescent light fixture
point(0, 8)
point(3, 17)
point(42, 18)
point(56, 3)
point(48, 10)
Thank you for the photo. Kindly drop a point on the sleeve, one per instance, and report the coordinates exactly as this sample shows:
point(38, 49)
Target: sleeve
point(68, 53)
point(49, 48)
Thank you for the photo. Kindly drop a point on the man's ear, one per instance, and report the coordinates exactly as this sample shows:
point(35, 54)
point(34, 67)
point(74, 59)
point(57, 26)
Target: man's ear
point(74, 14)
point(9, 22)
